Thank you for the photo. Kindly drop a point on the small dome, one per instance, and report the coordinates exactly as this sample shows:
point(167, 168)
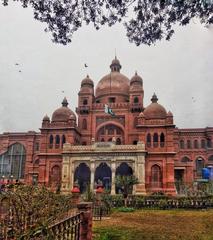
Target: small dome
point(136, 79)
point(155, 110)
point(169, 114)
point(63, 113)
point(115, 65)
point(87, 82)
point(46, 118)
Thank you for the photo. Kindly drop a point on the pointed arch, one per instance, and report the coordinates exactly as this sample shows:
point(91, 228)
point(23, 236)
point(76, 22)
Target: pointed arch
point(57, 141)
point(182, 144)
point(103, 173)
point(155, 140)
point(84, 124)
point(156, 176)
point(162, 140)
point(148, 140)
point(82, 175)
point(12, 162)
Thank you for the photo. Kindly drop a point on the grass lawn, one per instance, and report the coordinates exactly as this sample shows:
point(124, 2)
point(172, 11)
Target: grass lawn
point(156, 225)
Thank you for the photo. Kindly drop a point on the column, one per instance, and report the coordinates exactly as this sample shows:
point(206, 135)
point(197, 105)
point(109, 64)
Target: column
point(140, 174)
point(113, 167)
point(92, 178)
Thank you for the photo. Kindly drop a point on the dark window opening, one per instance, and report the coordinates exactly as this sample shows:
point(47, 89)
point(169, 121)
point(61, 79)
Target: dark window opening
point(112, 100)
point(51, 141)
point(85, 102)
point(162, 140)
point(182, 145)
point(63, 141)
point(57, 141)
point(148, 140)
point(155, 140)
point(136, 100)
point(135, 142)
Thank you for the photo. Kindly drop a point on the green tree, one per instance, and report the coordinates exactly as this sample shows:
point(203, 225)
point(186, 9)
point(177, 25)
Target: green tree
point(126, 183)
point(146, 21)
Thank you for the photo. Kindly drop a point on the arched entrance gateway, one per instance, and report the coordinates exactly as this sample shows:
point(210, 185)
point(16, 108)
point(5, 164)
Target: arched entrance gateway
point(123, 170)
point(82, 176)
point(103, 173)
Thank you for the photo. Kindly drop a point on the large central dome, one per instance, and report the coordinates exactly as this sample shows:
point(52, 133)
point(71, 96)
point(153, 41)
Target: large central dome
point(114, 83)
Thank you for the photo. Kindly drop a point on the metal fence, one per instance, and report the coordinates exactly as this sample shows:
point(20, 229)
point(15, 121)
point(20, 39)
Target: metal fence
point(68, 229)
point(100, 211)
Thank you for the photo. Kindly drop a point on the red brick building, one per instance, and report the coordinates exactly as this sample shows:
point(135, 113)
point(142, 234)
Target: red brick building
point(171, 154)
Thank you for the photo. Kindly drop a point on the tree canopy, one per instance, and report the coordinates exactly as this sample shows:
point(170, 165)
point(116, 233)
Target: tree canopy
point(146, 21)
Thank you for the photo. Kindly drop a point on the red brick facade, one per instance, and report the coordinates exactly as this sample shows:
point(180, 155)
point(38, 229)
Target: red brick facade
point(172, 153)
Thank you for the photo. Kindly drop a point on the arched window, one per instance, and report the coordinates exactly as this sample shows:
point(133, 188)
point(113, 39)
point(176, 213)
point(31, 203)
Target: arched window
point(203, 143)
point(162, 140)
point(189, 145)
point(196, 144)
point(102, 140)
point(156, 176)
point(148, 140)
point(199, 166)
point(185, 159)
point(12, 163)
point(135, 142)
point(51, 141)
point(63, 141)
point(182, 144)
point(155, 140)
point(209, 143)
point(85, 102)
point(57, 141)
point(84, 124)
point(136, 100)
point(84, 143)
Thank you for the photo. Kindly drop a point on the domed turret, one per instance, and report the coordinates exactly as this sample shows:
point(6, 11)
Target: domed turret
point(136, 79)
point(46, 118)
point(63, 113)
point(115, 65)
point(155, 110)
point(87, 82)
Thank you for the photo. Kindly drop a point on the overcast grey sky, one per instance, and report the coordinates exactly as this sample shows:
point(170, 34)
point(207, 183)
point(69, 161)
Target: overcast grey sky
point(179, 71)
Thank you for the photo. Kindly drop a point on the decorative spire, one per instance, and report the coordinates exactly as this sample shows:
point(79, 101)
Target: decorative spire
point(64, 102)
point(115, 65)
point(154, 98)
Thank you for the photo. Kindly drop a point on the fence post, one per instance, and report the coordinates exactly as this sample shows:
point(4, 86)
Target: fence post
point(86, 220)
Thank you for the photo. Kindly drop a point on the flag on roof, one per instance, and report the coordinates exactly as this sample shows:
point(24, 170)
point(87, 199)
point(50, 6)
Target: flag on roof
point(108, 110)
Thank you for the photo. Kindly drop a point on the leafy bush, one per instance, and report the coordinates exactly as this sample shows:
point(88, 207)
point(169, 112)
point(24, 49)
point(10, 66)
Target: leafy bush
point(125, 209)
